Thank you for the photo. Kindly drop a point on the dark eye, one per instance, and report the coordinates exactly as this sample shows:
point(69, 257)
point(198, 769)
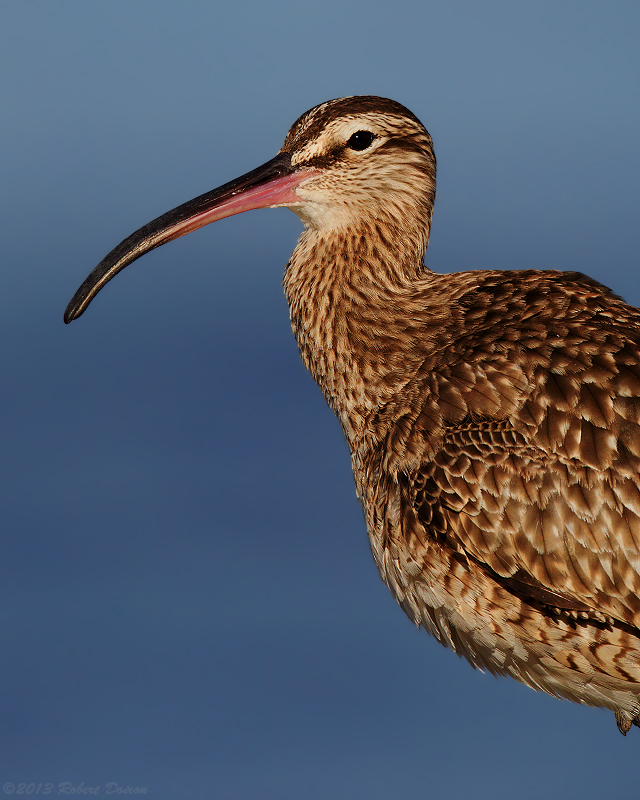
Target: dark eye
point(360, 140)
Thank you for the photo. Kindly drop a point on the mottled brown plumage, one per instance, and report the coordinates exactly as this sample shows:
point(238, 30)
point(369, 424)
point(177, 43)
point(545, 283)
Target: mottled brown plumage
point(493, 417)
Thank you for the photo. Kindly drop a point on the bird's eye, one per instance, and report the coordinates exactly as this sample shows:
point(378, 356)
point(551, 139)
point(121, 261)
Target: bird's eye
point(360, 140)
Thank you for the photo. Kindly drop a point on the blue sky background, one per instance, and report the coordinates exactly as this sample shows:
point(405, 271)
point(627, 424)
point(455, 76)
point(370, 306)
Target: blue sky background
point(188, 601)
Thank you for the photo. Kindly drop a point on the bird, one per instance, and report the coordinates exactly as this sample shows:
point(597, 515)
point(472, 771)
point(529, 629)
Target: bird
point(493, 417)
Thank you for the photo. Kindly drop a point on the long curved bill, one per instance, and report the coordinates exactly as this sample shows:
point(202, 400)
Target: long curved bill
point(272, 184)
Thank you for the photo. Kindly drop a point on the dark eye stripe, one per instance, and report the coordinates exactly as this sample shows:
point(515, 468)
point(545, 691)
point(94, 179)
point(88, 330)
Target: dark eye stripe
point(360, 140)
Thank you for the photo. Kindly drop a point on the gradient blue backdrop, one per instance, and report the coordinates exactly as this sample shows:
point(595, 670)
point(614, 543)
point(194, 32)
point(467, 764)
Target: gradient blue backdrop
point(188, 599)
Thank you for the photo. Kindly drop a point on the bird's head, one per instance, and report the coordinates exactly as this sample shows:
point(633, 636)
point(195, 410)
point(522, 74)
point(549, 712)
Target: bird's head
point(368, 157)
point(344, 163)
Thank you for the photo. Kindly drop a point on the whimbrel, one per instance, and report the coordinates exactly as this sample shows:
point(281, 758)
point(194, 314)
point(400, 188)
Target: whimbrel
point(493, 417)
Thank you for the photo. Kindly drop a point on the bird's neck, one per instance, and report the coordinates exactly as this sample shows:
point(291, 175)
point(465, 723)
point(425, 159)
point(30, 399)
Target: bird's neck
point(351, 300)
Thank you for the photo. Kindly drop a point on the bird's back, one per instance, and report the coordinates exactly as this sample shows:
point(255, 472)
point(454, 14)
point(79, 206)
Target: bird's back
point(503, 508)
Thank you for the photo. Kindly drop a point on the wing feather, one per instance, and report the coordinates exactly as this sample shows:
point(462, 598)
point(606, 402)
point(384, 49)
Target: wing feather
point(531, 444)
